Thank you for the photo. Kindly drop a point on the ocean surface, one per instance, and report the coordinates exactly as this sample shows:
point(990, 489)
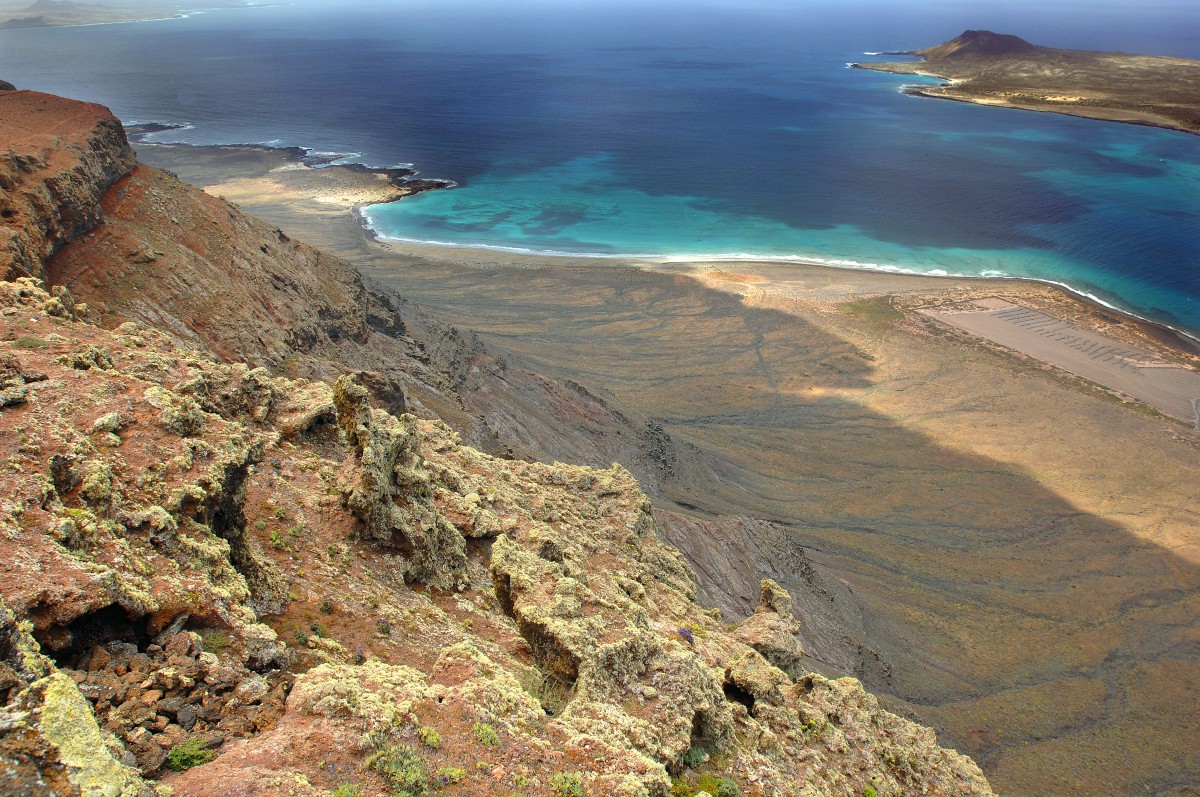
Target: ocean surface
point(692, 129)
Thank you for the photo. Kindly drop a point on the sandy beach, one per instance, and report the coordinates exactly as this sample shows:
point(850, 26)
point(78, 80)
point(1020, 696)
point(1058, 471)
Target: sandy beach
point(1020, 543)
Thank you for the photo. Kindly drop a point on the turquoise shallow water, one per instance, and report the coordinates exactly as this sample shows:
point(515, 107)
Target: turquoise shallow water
point(684, 129)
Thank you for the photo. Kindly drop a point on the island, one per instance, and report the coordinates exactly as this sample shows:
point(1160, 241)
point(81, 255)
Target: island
point(996, 69)
point(54, 13)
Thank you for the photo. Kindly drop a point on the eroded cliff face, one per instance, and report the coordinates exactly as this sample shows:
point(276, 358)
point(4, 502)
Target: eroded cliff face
point(217, 577)
point(60, 157)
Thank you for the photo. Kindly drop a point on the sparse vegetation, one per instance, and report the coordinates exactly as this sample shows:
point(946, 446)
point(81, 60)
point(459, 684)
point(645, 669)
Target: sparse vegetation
point(29, 342)
point(694, 757)
point(429, 737)
point(551, 692)
point(486, 734)
point(718, 787)
point(214, 640)
point(450, 775)
point(406, 774)
point(567, 784)
point(186, 755)
point(879, 310)
point(347, 790)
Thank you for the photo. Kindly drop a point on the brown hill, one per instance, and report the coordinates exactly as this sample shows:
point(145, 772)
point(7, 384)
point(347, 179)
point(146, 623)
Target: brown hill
point(1003, 70)
point(978, 44)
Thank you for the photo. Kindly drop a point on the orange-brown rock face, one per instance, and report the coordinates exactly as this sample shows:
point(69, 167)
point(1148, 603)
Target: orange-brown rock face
point(58, 158)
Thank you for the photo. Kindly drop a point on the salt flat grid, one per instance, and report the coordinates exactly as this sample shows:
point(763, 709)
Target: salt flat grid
point(1109, 353)
point(1168, 387)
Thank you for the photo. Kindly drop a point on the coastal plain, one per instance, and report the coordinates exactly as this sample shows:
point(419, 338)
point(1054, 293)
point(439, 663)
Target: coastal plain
point(1007, 551)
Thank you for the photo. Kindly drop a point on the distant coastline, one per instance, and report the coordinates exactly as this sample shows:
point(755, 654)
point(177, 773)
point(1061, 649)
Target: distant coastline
point(403, 178)
point(80, 15)
point(985, 68)
point(405, 183)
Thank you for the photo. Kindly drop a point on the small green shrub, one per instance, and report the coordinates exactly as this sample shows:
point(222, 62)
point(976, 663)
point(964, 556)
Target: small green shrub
point(486, 734)
point(567, 784)
point(694, 757)
point(869, 791)
point(718, 787)
point(260, 524)
point(186, 755)
point(681, 788)
point(450, 775)
point(28, 342)
point(347, 790)
point(214, 640)
point(327, 604)
point(403, 770)
point(429, 737)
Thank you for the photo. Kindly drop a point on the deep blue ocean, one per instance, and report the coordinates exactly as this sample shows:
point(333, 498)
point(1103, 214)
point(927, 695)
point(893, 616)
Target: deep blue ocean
point(673, 128)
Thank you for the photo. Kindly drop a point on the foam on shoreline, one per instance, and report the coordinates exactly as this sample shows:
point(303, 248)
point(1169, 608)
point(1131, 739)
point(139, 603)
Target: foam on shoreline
point(800, 260)
point(405, 174)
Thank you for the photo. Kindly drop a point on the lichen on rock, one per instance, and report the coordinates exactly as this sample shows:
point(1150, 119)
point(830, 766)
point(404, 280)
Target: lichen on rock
point(391, 493)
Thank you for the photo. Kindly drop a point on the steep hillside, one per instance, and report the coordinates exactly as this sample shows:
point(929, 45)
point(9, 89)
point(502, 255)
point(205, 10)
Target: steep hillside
point(230, 581)
point(273, 583)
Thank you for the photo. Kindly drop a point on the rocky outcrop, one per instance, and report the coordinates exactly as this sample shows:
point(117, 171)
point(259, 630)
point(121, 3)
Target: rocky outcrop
point(773, 630)
point(59, 159)
point(392, 494)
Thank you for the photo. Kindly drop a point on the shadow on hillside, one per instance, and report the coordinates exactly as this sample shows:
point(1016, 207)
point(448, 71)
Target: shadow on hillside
point(988, 594)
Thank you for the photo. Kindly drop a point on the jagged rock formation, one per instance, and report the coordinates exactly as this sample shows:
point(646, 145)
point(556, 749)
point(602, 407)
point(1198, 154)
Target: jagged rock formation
point(272, 585)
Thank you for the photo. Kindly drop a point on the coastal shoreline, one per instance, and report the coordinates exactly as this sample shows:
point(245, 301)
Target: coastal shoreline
point(1100, 114)
point(403, 178)
point(327, 192)
point(1181, 340)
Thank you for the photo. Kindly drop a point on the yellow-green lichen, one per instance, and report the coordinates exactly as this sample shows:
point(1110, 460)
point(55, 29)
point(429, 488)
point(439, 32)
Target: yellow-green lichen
point(68, 723)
